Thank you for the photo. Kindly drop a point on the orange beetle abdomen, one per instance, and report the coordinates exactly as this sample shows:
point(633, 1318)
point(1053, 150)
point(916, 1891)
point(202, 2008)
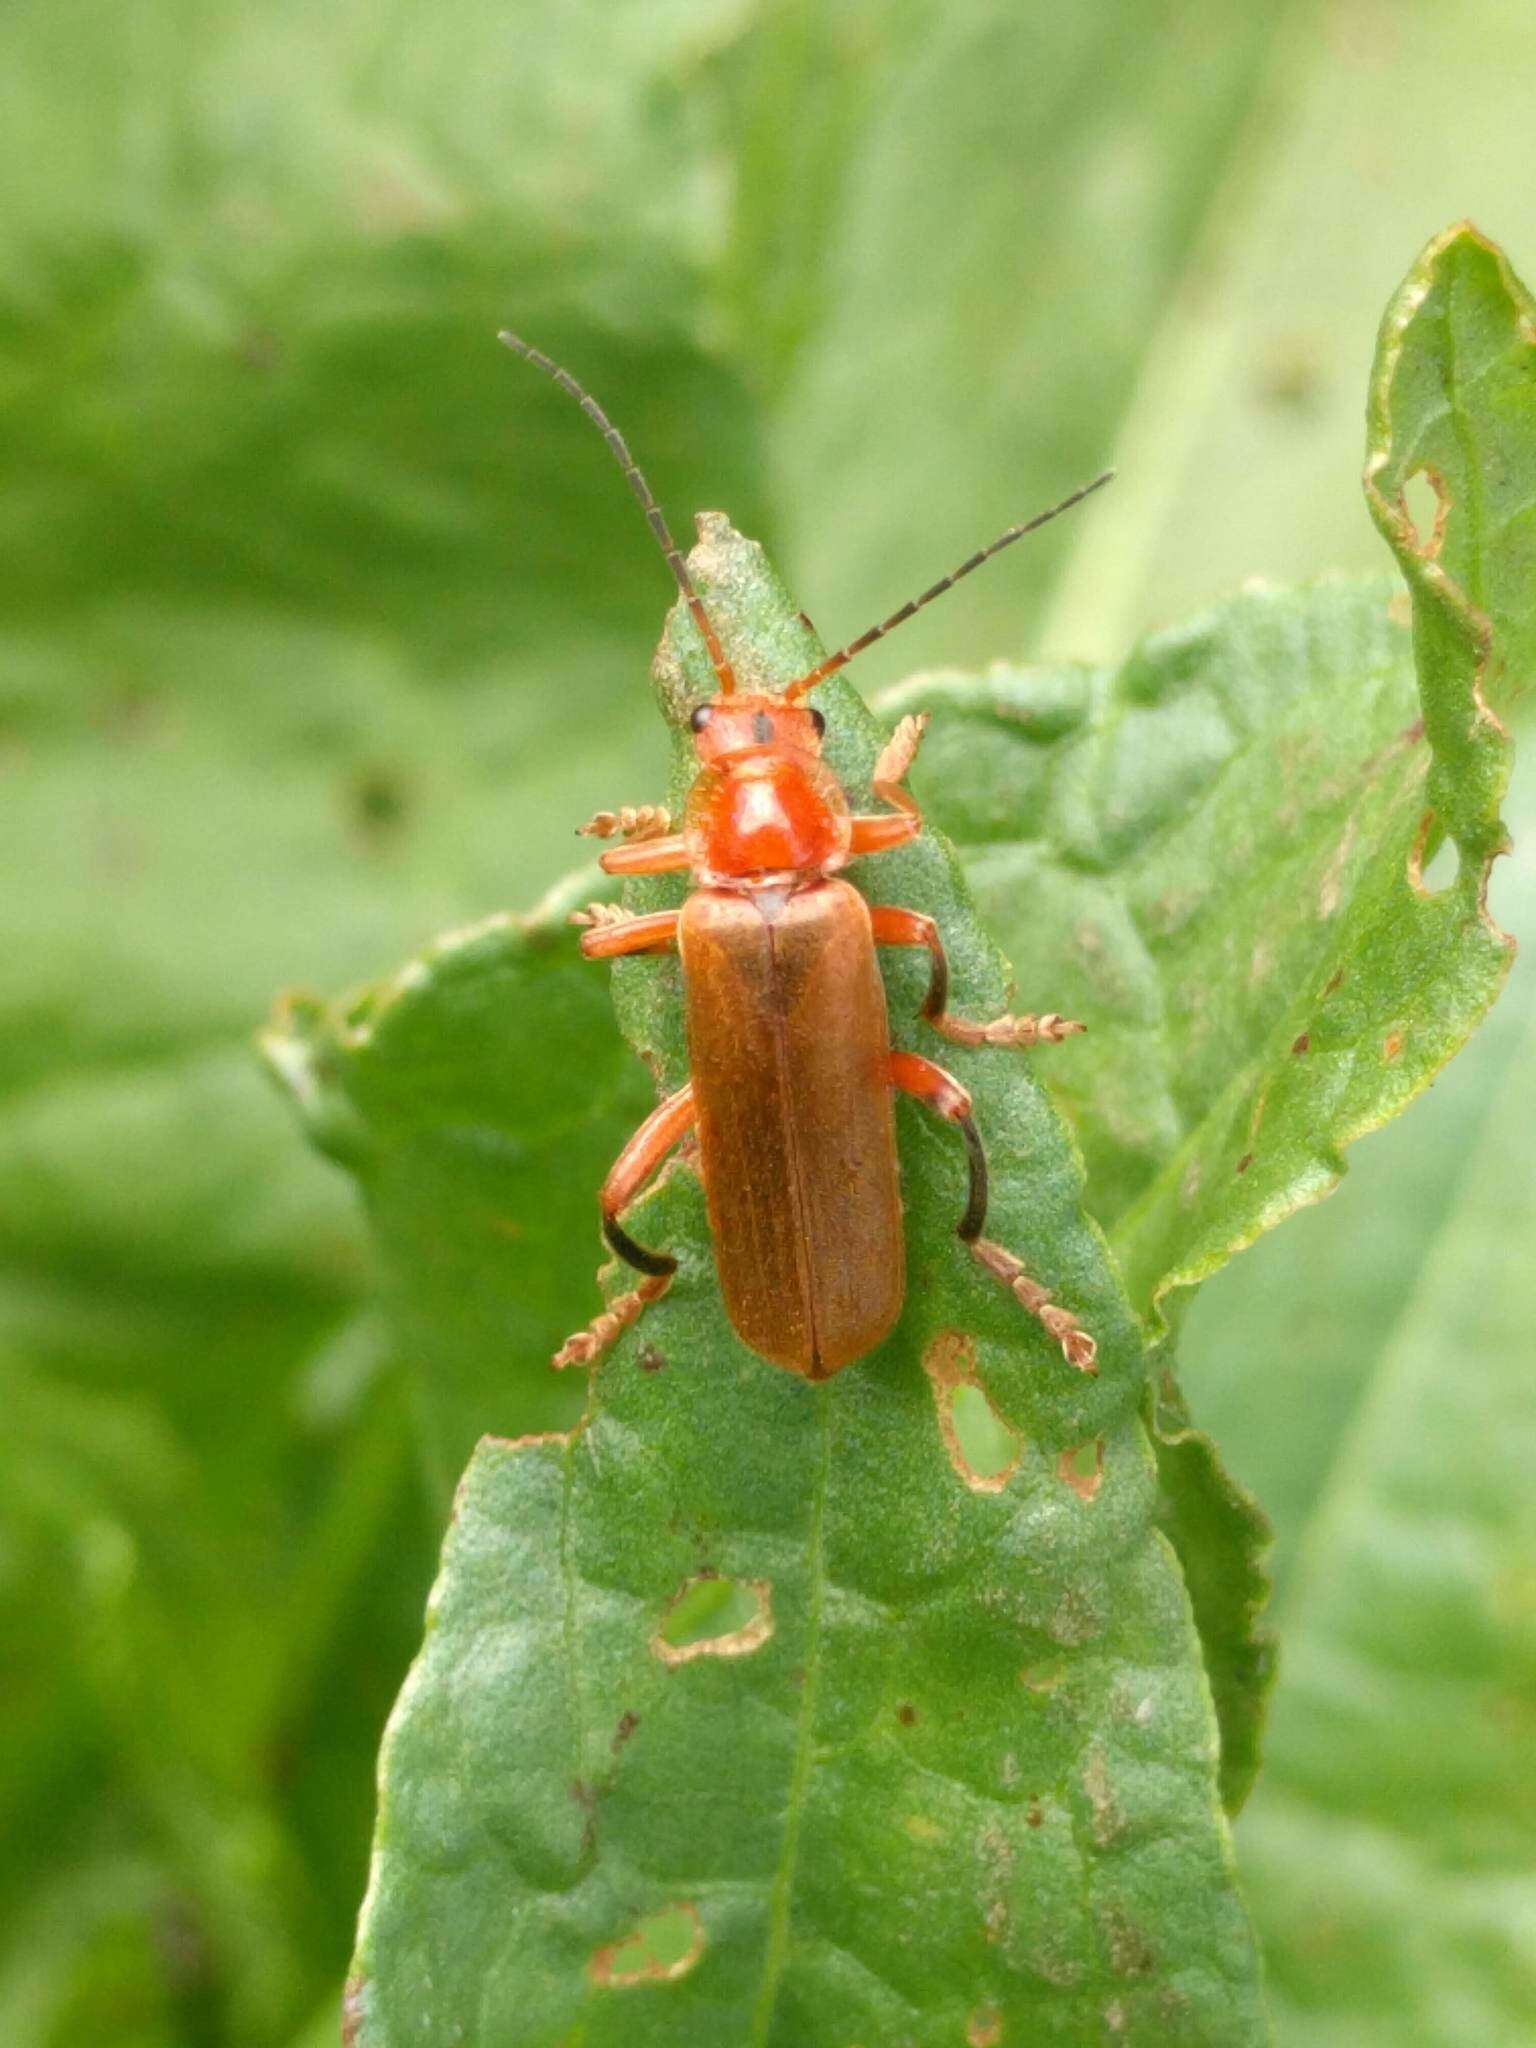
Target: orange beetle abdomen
point(789, 1047)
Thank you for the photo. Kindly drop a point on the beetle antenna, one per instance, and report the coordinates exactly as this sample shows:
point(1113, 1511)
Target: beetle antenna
point(725, 675)
point(844, 655)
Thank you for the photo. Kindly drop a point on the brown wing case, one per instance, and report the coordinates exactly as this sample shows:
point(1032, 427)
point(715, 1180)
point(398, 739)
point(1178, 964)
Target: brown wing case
point(789, 1047)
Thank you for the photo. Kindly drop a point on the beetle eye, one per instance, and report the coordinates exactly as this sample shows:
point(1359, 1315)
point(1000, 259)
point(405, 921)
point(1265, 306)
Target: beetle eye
point(700, 715)
point(819, 721)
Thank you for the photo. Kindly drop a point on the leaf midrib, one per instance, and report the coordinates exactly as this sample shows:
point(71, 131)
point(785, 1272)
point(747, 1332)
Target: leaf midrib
point(781, 1896)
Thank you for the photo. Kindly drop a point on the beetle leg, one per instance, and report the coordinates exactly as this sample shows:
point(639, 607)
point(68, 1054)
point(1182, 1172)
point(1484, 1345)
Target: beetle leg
point(916, 1076)
point(646, 856)
point(900, 750)
point(893, 927)
point(641, 1157)
point(879, 831)
point(641, 821)
point(611, 931)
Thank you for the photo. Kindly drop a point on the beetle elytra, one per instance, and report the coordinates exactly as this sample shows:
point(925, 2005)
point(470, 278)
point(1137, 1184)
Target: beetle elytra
point(792, 1072)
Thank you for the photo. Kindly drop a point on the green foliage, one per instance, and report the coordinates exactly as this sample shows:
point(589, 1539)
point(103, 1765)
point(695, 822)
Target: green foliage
point(320, 629)
point(988, 1698)
point(1411, 1622)
point(1094, 769)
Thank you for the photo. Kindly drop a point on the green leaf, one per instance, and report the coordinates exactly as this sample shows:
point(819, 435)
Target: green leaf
point(985, 1697)
point(1222, 1539)
point(1388, 1846)
point(975, 349)
point(1227, 837)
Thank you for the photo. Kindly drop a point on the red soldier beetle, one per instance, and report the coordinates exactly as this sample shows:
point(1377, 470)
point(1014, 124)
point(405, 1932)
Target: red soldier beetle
point(793, 1073)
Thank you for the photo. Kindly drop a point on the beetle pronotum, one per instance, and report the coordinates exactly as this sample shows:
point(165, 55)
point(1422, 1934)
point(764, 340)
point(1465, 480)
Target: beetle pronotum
point(792, 1070)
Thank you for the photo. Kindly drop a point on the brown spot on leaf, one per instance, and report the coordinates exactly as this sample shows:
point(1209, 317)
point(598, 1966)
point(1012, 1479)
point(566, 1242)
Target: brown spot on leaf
point(585, 1797)
point(1245, 1162)
point(982, 1448)
point(1130, 1953)
point(651, 1359)
point(534, 1438)
point(906, 1714)
point(1416, 854)
point(661, 1947)
point(354, 2009)
point(1392, 1045)
point(629, 1721)
point(1417, 511)
point(1081, 1466)
point(710, 1616)
point(1335, 984)
point(1034, 1816)
point(984, 2028)
point(1108, 1821)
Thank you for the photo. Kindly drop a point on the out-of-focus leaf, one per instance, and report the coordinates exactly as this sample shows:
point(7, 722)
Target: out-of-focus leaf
point(984, 306)
point(984, 1697)
point(1388, 1847)
point(1226, 840)
point(1281, 1348)
point(290, 669)
point(1239, 452)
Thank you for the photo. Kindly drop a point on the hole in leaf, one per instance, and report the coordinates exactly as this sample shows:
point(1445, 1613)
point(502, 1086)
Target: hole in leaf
point(983, 1449)
point(1441, 871)
point(1433, 861)
point(662, 1946)
point(1427, 503)
point(988, 1446)
point(1082, 1467)
point(709, 1616)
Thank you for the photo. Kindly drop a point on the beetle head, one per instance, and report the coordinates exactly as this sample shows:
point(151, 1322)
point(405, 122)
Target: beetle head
point(743, 722)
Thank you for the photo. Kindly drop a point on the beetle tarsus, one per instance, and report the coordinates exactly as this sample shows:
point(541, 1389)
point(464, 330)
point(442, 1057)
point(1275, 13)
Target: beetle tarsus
point(588, 1345)
point(630, 821)
point(1077, 1347)
point(900, 750)
point(1048, 1029)
point(601, 916)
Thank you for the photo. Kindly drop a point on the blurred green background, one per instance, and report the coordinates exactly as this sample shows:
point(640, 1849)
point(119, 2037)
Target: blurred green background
point(324, 622)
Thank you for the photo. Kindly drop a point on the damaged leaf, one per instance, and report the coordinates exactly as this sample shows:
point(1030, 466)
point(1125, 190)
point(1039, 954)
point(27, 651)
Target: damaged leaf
point(988, 1699)
point(1224, 845)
